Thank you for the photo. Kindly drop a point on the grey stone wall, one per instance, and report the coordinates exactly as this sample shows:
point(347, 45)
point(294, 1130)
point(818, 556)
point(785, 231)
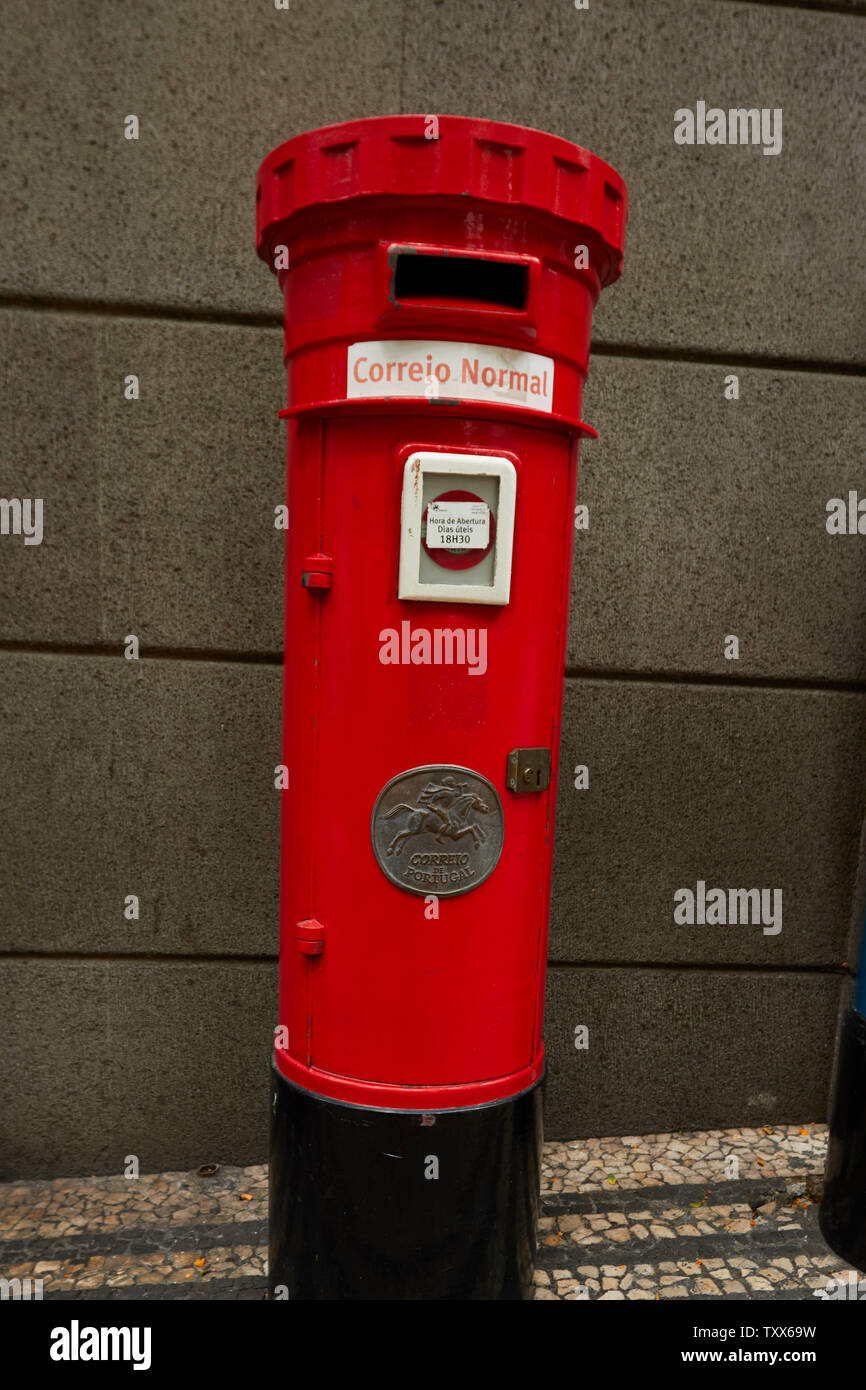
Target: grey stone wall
point(707, 518)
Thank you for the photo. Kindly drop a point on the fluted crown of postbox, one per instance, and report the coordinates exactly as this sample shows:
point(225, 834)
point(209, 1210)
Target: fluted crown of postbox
point(409, 157)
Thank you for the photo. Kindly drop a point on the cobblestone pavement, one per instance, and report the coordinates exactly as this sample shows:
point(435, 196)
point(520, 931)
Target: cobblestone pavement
point(729, 1214)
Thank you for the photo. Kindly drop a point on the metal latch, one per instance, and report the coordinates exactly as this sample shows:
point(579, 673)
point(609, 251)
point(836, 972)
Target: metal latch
point(528, 770)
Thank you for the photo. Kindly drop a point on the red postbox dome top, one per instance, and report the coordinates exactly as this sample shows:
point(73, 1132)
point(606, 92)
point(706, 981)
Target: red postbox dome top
point(449, 157)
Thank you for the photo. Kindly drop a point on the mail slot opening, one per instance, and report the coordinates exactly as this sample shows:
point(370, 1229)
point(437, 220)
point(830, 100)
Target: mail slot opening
point(469, 282)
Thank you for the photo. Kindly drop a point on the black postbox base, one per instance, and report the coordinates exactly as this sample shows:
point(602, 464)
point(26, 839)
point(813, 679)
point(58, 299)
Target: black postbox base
point(392, 1204)
point(842, 1214)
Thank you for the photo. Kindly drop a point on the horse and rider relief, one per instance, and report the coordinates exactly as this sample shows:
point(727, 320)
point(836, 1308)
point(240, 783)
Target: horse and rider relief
point(438, 829)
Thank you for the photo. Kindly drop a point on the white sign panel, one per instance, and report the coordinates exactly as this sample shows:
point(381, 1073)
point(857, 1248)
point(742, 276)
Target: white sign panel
point(450, 371)
point(458, 525)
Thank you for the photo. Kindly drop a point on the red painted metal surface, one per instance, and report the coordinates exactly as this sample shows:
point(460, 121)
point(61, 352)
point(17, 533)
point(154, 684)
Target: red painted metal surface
point(384, 1004)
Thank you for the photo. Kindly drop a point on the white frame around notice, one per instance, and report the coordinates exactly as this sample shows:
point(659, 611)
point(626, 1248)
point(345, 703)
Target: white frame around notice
point(419, 462)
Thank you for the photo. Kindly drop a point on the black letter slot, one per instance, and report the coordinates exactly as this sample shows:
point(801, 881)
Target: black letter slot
point(468, 282)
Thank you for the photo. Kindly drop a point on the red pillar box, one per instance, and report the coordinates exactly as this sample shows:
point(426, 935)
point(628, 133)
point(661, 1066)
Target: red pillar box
point(438, 279)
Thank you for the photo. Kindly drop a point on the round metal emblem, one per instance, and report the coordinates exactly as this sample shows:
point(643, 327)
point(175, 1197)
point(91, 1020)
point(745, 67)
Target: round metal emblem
point(438, 830)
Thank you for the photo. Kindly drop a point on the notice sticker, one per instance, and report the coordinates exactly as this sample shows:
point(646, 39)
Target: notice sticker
point(458, 526)
point(450, 371)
